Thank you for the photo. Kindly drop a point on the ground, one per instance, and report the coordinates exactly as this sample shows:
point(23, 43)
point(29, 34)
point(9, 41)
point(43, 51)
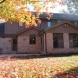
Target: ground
point(39, 67)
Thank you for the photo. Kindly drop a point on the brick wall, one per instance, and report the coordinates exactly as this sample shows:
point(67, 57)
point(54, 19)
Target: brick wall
point(5, 45)
point(66, 49)
point(23, 42)
point(49, 42)
point(25, 47)
point(66, 40)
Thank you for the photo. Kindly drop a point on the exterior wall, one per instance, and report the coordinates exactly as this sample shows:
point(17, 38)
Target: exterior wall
point(63, 29)
point(60, 29)
point(66, 40)
point(43, 24)
point(23, 42)
point(54, 22)
point(23, 39)
point(13, 28)
point(42, 43)
point(66, 49)
point(49, 42)
point(5, 45)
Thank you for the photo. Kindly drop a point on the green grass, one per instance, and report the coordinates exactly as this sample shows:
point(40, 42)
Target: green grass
point(43, 67)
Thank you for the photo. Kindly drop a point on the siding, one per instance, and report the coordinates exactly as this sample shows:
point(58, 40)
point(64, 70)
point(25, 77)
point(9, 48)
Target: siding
point(63, 29)
point(13, 28)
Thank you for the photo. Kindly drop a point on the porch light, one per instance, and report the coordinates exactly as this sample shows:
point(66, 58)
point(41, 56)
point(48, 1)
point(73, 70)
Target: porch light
point(65, 24)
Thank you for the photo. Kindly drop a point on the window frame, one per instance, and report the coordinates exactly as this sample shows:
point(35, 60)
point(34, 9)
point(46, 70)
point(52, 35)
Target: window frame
point(14, 44)
point(57, 40)
point(30, 39)
point(73, 40)
point(49, 23)
point(20, 24)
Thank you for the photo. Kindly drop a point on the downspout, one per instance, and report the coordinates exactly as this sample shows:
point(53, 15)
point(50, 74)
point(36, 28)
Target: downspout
point(44, 43)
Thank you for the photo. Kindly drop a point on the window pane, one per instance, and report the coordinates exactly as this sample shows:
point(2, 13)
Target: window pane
point(73, 40)
point(75, 23)
point(20, 24)
point(14, 41)
point(49, 24)
point(58, 40)
point(59, 21)
point(32, 39)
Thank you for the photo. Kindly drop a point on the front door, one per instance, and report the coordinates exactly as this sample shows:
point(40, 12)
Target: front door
point(14, 44)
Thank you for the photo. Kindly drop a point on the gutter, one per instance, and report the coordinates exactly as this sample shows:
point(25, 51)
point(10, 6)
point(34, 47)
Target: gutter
point(45, 46)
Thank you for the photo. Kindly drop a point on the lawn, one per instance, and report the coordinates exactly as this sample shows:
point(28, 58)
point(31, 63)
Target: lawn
point(41, 67)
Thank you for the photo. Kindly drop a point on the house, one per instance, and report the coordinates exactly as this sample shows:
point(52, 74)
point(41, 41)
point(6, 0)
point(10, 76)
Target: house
point(57, 35)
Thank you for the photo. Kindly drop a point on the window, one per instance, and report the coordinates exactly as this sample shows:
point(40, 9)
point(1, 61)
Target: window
point(58, 40)
point(20, 24)
point(2, 24)
point(72, 22)
point(32, 39)
point(49, 23)
point(73, 40)
point(75, 23)
point(38, 24)
point(59, 21)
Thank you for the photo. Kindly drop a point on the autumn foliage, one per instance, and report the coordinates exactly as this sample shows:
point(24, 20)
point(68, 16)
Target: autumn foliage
point(44, 67)
point(20, 10)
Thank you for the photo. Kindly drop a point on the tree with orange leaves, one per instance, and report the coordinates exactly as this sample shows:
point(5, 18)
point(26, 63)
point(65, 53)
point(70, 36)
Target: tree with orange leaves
point(18, 10)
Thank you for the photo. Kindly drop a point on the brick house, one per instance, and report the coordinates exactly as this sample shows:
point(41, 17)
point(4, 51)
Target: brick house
point(58, 35)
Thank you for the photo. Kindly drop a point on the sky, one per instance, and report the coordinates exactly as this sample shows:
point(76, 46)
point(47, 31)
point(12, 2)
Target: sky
point(57, 8)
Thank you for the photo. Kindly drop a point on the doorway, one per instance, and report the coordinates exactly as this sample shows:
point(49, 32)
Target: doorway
point(14, 44)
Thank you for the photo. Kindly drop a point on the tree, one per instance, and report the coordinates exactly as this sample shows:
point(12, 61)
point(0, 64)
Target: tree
point(1, 1)
point(72, 7)
point(18, 10)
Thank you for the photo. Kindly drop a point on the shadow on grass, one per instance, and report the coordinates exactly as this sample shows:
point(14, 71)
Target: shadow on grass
point(45, 56)
point(71, 73)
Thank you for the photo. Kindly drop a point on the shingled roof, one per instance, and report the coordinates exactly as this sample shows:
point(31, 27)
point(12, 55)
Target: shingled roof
point(61, 16)
point(69, 17)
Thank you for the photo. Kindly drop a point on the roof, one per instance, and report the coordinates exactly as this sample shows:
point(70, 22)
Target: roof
point(7, 35)
point(67, 17)
point(61, 16)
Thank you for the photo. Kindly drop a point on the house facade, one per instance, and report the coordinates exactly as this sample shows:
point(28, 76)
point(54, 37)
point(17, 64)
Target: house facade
point(55, 36)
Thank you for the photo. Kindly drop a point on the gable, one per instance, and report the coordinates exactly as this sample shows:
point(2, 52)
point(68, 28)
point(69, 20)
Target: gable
point(29, 31)
point(63, 28)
